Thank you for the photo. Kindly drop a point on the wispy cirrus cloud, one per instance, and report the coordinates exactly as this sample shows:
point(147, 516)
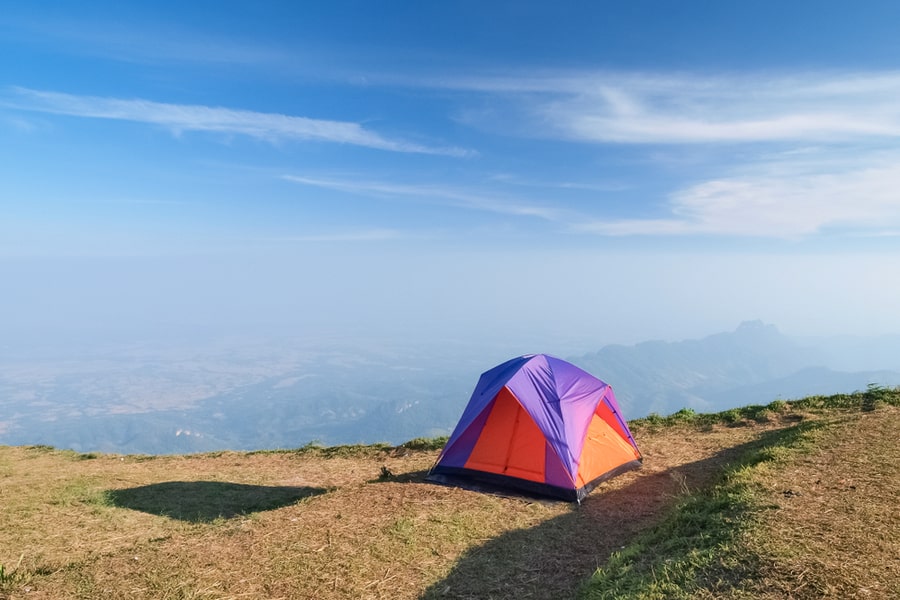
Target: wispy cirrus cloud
point(18, 124)
point(778, 201)
point(865, 201)
point(817, 157)
point(179, 118)
point(636, 108)
point(434, 193)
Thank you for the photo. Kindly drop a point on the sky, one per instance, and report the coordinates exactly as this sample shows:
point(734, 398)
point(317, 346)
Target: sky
point(554, 175)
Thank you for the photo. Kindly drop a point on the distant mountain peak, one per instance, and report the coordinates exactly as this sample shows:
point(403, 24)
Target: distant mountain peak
point(755, 325)
point(758, 332)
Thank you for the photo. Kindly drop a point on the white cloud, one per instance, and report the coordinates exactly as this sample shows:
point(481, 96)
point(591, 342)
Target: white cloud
point(433, 193)
point(817, 157)
point(770, 200)
point(18, 124)
point(865, 200)
point(271, 127)
point(634, 108)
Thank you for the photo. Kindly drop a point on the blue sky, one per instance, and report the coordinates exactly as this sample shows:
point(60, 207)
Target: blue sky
point(557, 175)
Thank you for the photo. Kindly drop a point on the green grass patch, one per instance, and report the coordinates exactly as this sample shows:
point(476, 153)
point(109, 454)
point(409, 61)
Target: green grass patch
point(346, 450)
point(698, 546)
point(80, 490)
point(40, 448)
point(872, 398)
point(425, 444)
point(315, 448)
point(12, 578)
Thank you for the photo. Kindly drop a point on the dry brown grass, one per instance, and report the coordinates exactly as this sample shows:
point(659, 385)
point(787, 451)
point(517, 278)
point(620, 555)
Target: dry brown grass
point(835, 528)
point(98, 528)
point(297, 525)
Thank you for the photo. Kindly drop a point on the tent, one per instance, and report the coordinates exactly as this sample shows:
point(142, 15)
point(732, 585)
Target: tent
point(540, 425)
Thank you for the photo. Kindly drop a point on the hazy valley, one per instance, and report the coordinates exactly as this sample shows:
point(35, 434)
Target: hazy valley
point(243, 395)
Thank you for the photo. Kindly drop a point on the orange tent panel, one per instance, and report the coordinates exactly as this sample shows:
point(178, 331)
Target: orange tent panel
point(604, 449)
point(604, 411)
point(510, 442)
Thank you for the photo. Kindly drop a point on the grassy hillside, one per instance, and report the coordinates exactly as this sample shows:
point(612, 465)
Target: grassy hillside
point(790, 500)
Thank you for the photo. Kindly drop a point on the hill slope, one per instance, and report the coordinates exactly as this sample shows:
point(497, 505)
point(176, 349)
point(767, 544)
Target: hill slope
point(754, 364)
point(332, 523)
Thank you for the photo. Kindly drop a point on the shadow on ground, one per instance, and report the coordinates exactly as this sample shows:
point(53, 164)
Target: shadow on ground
point(554, 559)
point(204, 501)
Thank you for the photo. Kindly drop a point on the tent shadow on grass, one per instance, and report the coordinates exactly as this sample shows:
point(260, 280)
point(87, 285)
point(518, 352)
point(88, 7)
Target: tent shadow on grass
point(205, 501)
point(554, 559)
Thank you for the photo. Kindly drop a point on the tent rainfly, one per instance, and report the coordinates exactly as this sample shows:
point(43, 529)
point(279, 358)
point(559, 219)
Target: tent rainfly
point(540, 425)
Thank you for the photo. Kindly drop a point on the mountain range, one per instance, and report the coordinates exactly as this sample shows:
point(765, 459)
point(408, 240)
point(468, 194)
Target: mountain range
point(754, 364)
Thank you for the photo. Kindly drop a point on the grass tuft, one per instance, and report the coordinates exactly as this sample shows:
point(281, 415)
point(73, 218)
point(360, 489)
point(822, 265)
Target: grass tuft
point(10, 579)
point(425, 444)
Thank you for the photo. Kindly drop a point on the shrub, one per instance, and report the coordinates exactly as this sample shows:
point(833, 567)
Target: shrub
point(778, 406)
point(685, 415)
point(732, 416)
point(426, 443)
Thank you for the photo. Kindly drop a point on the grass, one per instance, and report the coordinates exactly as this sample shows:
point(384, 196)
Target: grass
point(833, 528)
point(701, 519)
point(12, 578)
point(697, 547)
point(873, 397)
point(755, 534)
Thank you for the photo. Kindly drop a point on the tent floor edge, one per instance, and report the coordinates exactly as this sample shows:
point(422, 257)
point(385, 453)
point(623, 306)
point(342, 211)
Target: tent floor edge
point(498, 484)
point(582, 492)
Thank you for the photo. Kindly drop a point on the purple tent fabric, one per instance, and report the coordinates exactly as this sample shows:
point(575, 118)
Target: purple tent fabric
point(561, 399)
